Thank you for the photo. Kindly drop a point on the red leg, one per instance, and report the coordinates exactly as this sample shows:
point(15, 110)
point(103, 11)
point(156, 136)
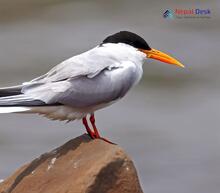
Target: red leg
point(92, 120)
point(96, 132)
point(89, 131)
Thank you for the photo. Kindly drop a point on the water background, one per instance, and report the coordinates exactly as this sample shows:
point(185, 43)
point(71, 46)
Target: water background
point(169, 124)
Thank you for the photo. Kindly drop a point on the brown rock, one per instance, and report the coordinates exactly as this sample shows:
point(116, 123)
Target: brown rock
point(81, 165)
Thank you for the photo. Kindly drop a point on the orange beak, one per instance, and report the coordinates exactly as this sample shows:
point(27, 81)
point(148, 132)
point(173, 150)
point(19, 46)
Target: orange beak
point(158, 55)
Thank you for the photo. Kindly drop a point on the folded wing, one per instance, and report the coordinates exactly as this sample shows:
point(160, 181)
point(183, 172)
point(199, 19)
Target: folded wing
point(84, 80)
point(83, 91)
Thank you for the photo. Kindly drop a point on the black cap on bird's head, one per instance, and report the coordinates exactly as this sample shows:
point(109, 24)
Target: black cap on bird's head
point(129, 38)
point(138, 42)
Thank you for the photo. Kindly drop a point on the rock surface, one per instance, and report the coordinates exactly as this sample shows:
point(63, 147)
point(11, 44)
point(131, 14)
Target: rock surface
point(81, 165)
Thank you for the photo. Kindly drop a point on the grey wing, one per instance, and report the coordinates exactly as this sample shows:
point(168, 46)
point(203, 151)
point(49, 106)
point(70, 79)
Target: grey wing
point(106, 86)
point(88, 64)
point(83, 80)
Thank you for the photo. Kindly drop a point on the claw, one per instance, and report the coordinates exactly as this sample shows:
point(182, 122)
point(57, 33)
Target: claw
point(94, 134)
point(106, 140)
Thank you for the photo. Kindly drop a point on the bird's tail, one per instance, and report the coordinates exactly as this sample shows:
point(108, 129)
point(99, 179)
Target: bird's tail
point(12, 100)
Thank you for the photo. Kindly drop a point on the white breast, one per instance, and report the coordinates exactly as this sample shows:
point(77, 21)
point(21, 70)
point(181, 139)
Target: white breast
point(65, 113)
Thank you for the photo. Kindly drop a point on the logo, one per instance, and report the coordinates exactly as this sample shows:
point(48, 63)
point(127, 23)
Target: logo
point(168, 14)
point(187, 13)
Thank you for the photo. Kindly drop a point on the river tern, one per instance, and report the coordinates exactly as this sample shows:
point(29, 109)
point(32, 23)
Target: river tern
point(85, 83)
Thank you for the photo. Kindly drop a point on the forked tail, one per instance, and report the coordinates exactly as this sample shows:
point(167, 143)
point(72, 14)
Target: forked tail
point(12, 100)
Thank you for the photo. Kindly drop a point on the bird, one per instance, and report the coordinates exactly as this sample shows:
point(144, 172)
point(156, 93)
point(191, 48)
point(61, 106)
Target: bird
point(79, 86)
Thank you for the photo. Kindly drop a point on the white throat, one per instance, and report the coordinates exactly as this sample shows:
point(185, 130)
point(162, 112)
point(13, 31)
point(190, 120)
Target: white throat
point(123, 52)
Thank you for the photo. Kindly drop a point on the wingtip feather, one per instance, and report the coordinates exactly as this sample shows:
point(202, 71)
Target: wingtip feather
point(14, 109)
